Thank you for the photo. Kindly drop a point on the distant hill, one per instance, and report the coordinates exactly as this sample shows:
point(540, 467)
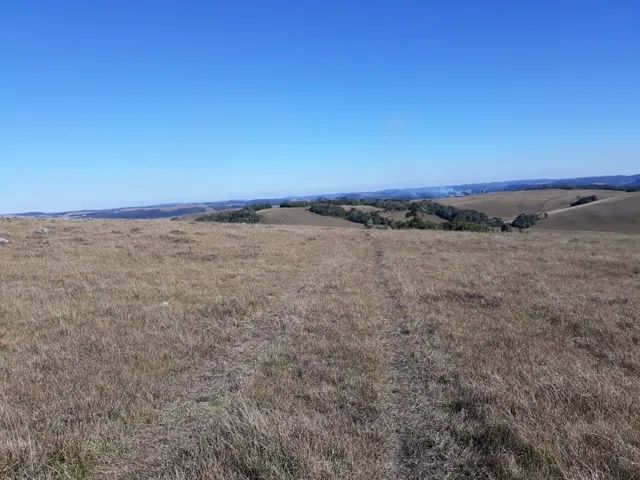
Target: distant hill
point(509, 204)
point(619, 182)
point(613, 214)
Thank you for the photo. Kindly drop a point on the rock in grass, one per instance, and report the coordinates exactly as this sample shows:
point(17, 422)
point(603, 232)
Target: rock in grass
point(4, 241)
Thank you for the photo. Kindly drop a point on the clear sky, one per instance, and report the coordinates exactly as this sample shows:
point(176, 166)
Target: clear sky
point(119, 103)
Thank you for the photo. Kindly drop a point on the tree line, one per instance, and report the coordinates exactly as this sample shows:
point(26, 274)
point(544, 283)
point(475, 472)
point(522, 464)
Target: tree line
point(243, 215)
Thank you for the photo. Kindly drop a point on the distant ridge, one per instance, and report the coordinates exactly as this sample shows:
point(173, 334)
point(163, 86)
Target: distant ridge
point(625, 182)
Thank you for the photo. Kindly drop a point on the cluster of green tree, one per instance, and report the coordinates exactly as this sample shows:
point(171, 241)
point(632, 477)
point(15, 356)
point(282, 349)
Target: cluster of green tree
point(368, 218)
point(383, 204)
point(242, 215)
point(525, 220)
point(584, 200)
point(328, 210)
point(353, 214)
point(295, 204)
point(414, 219)
point(392, 205)
point(453, 214)
point(259, 206)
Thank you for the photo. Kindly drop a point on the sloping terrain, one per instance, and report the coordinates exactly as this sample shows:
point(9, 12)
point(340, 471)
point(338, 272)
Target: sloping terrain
point(302, 216)
point(615, 214)
point(508, 205)
point(139, 350)
point(401, 216)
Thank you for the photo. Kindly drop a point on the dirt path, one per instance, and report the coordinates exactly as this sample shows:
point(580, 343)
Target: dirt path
point(410, 441)
point(422, 442)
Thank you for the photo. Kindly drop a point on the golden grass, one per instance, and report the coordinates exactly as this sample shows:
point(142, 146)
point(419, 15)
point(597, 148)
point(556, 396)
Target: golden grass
point(165, 350)
point(302, 216)
point(619, 214)
point(508, 205)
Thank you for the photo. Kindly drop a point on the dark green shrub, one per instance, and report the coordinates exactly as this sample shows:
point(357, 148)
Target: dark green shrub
point(584, 200)
point(367, 218)
point(453, 214)
point(328, 210)
point(243, 215)
point(294, 204)
point(259, 206)
point(525, 220)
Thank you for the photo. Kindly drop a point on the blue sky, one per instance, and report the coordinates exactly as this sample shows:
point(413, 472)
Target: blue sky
point(115, 103)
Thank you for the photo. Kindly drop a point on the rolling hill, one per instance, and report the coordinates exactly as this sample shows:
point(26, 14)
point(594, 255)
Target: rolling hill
point(619, 182)
point(620, 213)
point(508, 205)
point(302, 216)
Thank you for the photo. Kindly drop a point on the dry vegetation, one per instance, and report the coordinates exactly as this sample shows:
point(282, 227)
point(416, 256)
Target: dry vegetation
point(619, 214)
point(508, 205)
point(302, 216)
point(150, 350)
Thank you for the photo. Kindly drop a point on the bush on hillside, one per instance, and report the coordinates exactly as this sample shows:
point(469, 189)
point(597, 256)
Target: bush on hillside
point(243, 215)
point(328, 210)
point(294, 204)
point(368, 218)
point(584, 200)
point(259, 206)
point(453, 214)
point(525, 220)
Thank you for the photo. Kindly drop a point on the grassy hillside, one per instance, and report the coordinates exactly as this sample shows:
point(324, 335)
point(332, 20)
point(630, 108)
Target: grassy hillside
point(508, 205)
point(619, 214)
point(202, 350)
point(302, 216)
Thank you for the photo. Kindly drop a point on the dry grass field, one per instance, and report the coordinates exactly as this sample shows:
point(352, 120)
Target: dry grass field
point(302, 216)
point(508, 205)
point(176, 350)
point(617, 214)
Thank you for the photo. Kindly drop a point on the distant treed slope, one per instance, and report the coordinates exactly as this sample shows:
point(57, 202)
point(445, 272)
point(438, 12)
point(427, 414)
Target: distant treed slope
point(147, 213)
point(617, 182)
point(416, 216)
point(242, 215)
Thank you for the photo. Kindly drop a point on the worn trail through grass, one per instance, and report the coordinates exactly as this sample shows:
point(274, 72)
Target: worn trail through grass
point(298, 394)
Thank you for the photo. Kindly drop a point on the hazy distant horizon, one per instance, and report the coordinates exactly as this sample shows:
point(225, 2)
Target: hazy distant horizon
point(151, 203)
